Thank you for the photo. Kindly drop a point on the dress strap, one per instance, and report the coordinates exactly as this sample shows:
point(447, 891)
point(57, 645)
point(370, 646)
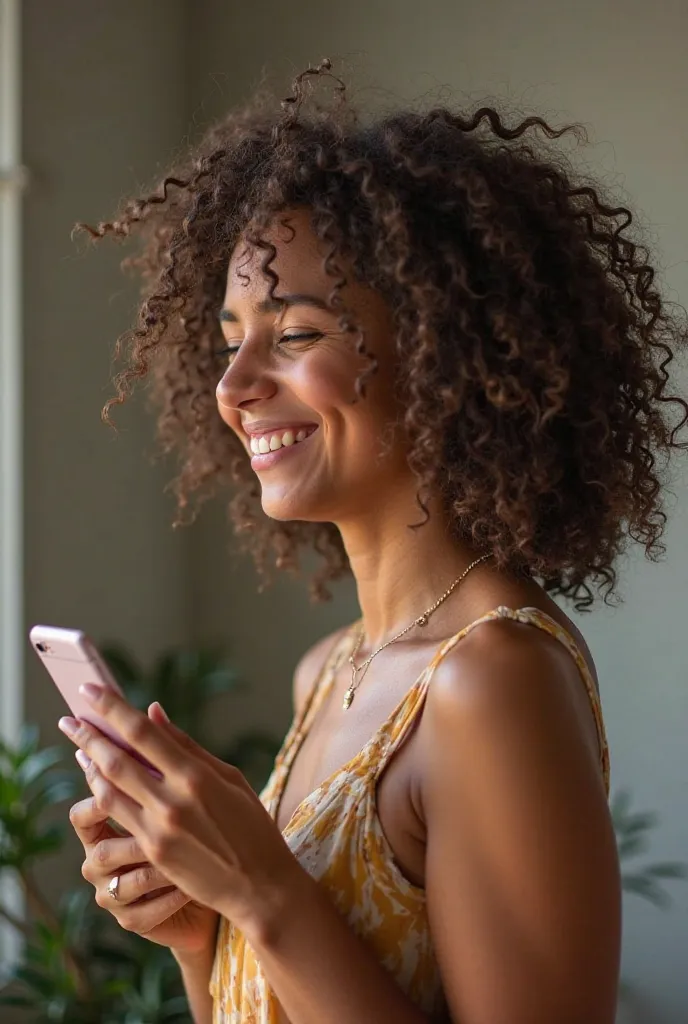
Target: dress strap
point(319, 690)
point(409, 711)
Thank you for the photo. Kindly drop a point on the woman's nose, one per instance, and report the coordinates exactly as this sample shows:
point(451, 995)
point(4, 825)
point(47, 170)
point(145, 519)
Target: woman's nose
point(246, 379)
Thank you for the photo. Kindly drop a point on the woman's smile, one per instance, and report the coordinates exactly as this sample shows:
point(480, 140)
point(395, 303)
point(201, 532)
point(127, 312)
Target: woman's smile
point(269, 447)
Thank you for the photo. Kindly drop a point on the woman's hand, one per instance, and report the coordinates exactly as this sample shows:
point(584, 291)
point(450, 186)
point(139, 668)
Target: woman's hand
point(147, 903)
point(200, 825)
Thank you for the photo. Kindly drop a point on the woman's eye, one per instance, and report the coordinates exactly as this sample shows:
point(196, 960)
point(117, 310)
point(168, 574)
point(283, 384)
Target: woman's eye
point(231, 350)
point(304, 336)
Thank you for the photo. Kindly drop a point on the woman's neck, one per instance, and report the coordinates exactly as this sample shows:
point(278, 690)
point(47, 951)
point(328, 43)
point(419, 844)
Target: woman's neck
point(401, 572)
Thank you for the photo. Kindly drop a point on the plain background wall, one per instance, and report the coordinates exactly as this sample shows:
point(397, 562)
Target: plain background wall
point(109, 90)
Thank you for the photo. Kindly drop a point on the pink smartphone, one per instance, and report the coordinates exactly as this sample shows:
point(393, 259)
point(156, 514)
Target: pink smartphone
point(72, 659)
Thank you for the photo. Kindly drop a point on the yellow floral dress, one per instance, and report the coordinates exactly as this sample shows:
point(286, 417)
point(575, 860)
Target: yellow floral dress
point(336, 835)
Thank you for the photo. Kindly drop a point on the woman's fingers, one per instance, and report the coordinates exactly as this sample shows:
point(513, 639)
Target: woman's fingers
point(112, 856)
point(134, 883)
point(111, 801)
point(135, 727)
point(145, 916)
point(108, 762)
point(90, 822)
point(123, 857)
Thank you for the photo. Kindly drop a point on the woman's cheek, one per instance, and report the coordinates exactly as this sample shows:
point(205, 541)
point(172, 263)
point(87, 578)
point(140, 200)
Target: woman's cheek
point(325, 379)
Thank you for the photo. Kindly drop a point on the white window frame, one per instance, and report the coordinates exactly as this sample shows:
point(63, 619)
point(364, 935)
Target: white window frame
point(12, 640)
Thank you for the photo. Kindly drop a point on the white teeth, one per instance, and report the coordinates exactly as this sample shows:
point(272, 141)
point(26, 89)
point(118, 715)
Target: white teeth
point(272, 443)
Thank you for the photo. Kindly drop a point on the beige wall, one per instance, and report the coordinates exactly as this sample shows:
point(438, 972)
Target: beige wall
point(104, 102)
point(104, 93)
point(109, 88)
point(621, 69)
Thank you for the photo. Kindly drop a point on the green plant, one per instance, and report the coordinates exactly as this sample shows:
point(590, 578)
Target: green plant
point(632, 830)
point(78, 966)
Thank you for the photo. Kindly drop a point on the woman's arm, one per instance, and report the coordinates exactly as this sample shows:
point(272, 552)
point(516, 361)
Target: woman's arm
point(196, 970)
point(521, 868)
point(318, 967)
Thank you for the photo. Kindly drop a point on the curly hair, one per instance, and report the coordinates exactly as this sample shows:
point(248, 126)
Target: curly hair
point(532, 341)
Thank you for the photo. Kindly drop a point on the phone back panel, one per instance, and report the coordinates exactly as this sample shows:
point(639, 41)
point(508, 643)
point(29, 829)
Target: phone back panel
point(72, 659)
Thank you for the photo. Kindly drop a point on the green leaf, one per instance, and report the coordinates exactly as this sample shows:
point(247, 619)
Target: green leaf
point(44, 842)
point(28, 739)
point(34, 979)
point(54, 792)
point(45, 933)
point(668, 869)
point(631, 846)
point(641, 885)
point(38, 764)
point(17, 1000)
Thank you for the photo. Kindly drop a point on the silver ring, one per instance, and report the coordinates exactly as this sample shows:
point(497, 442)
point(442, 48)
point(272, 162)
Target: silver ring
point(113, 887)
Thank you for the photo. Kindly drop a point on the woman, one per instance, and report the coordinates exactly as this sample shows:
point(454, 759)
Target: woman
point(423, 348)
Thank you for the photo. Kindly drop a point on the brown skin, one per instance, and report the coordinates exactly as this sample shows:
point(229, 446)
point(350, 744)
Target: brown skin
point(484, 803)
point(166, 915)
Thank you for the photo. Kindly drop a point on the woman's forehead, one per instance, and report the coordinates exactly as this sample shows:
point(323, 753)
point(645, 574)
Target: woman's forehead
point(298, 260)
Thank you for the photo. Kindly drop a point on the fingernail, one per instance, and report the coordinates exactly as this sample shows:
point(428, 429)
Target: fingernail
point(162, 711)
point(83, 759)
point(92, 691)
point(68, 725)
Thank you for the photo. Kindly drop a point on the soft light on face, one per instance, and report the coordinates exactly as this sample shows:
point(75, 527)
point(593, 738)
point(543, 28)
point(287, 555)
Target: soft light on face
point(289, 388)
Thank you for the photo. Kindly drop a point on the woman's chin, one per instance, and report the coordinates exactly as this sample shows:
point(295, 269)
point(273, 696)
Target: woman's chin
point(284, 508)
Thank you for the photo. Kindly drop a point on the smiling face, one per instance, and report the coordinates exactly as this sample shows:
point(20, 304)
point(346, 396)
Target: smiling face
point(289, 388)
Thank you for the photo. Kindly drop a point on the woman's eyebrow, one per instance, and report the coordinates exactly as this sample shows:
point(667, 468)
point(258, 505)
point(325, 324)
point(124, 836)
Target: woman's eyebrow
point(274, 305)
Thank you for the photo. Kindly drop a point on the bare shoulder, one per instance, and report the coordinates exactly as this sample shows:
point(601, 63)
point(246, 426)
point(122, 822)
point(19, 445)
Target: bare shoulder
point(311, 664)
point(507, 680)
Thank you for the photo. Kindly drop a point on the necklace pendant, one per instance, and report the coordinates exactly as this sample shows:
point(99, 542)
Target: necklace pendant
point(348, 698)
point(422, 620)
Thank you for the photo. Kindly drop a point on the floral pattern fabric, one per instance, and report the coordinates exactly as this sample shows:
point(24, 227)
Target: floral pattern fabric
point(336, 835)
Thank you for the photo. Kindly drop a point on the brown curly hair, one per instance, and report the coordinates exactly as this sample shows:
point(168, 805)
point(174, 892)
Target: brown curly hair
point(533, 343)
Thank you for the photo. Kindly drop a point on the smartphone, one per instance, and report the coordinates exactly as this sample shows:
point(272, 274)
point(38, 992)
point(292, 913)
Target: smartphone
point(71, 660)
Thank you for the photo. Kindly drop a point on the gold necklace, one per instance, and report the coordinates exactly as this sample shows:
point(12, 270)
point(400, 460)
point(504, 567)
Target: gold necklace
point(420, 621)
